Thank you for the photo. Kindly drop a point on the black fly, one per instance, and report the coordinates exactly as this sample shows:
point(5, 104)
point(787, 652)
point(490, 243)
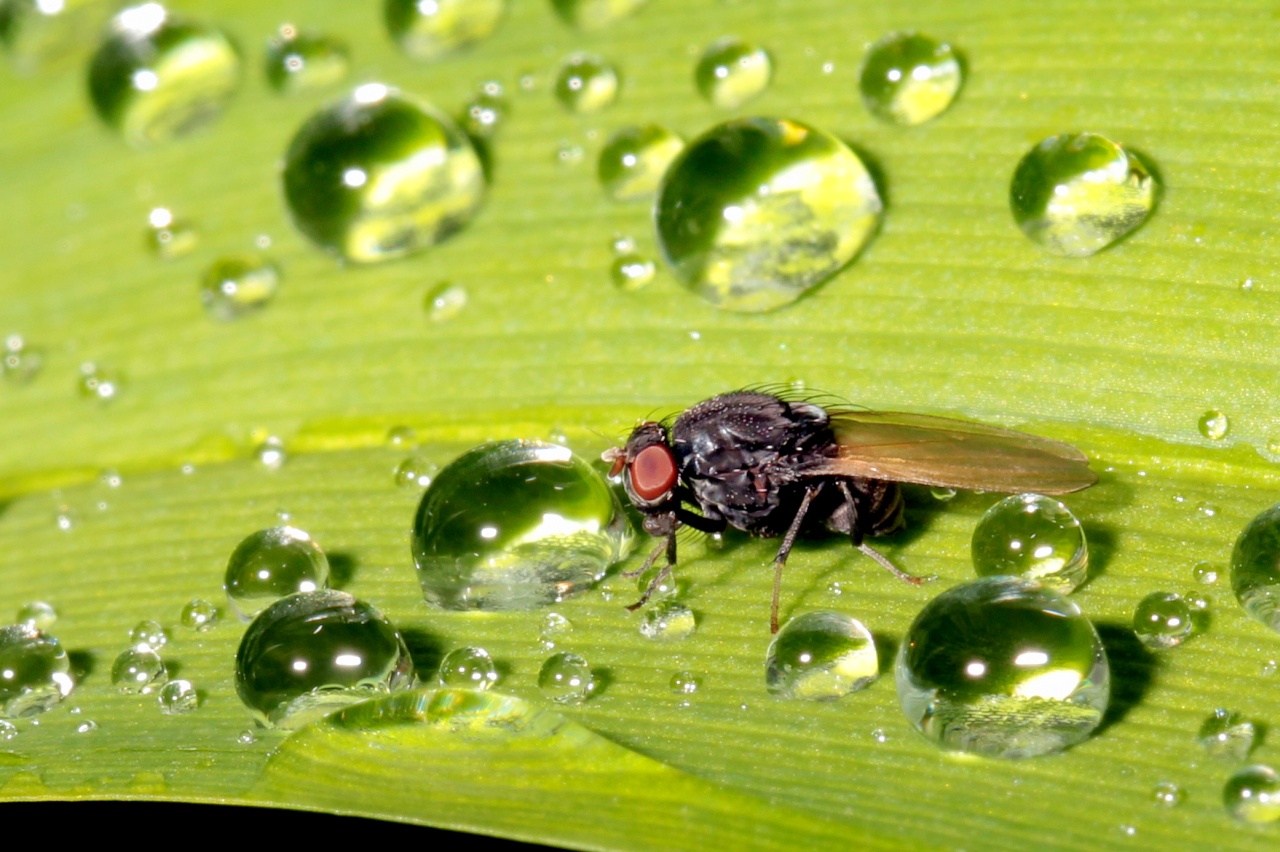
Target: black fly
point(772, 467)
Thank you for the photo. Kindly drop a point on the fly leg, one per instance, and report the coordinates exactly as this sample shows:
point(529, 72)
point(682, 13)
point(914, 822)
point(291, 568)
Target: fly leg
point(670, 547)
point(855, 536)
point(780, 561)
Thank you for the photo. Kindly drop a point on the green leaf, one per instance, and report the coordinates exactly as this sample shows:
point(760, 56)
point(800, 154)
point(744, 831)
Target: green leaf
point(948, 310)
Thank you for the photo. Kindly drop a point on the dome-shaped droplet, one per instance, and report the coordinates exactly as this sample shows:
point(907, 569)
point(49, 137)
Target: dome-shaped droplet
point(239, 284)
point(732, 72)
point(589, 15)
point(1162, 620)
point(566, 679)
point(634, 160)
point(434, 29)
point(270, 564)
point(300, 61)
point(909, 78)
point(821, 656)
point(586, 83)
point(1255, 568)
point(1032, 536)
point(34, 671)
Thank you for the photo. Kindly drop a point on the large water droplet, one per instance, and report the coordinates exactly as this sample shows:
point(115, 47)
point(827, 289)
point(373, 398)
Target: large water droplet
point(157, 76)
point(634, 160)
point(667, 621)
point(1227, 735)
point(586, 83)
point(1214, 425)
point(1255, 568)
point(516, 525)
point(272, 563)
point(757, 211)
point(169, 236)
point(1162, 620)
point(138, 670)
point(631, 271)
point(1034, 536)
point(377, 175)
point(300, 62)
point(34, 671)
point(909, 78)
point(437, 28)
point(236, 285)
point(468, 668)
point(1252, 795)
point(314, 651)
point(1003, 667)
point(1076, 194)
point(566, 679)
point(19, 362)
point(732, 72)
point(821, 656)
point(594, 14)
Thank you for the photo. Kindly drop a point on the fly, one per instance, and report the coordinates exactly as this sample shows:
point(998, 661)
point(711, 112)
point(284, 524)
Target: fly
point(778, 468)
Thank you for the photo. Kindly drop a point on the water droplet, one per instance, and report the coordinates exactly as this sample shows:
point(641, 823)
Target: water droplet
point(468, 668)
point(516, 525)
point(271, 453)
point(555, 627)
point(631, 272)
point(485, 112)
point(1003, 667)
point(88, 726)
point(402, 437)
point(1076, 194)
point(272, 563)
point(634, 159)
point(138, 670)
point(685, 683)
point(445, 301)
point(416, 471)
point(1035, 537)
point(1198, 602)
point(34, 671)
point(21, 363)
point(799, 206)
point(879, 735)
point(437, 28)
point(97, 382)
point(157, 76)
point(377, 176)
point(1269, 668)
point(199, 615)
point(312, 652)
point(1227, 735)
point(247, 737)
point(667, 621)
point(590, 15)
point(586, 83)
point(732, 72)
point(1168, 794)
point(178, 697)
point(568, 154)
point(236, 285)
point(566, 679)
point(168, 236)
point(37, 615)
point(909, 78)
point(1162, 620)
point(302, 62)
point(1252, 795)
point(821, 656)
point(149, 633)
point(1205, 573)
point(8, 730)
point(39, 34)
point(1255, 568)
point(1214, 425)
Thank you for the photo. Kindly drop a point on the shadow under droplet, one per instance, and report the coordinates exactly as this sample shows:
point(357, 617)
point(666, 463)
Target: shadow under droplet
point(83, 664)
point(886, 651)
point(1102, 549)
point(1132, 669)
point(342, 569)
point(425, 649)
point(603, 679)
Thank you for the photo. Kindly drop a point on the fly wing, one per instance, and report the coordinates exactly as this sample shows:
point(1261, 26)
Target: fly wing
point(948, 453)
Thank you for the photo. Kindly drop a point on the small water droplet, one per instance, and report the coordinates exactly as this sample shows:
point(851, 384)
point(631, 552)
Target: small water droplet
point(445, 301)
point(37, 615)
point(566, 679)
point(435, 29)
point(667, 621)
point(378, 175)
point(685, 683)
point(312, 652)
point(821, 656)
point(65, 519)
point(1246, 285)
point(247, 737)
point(1034, 536)
point(416, 471)
point(732, 72)
point(879, 735)
point(187, 469)
point(1214, 425)
point(86, 727)
point(8, 730)
point(468, 668)
point(1269, 668)
point(801, 206)
point(569, 154)
point(633, 161)
point(302, 62)
point(486, 112)
point(631, 272)
point(516, 525)
point(110, 478)
point(97, 382)
point(942, 495)
point(21, 363)
point(1227, 735)
point(270, 564)
point(1205, 573)
point(138, 670)
point(34, 671)
point(402, 437)
point(169, 236)
point(1162, 620)
point(41, 35)
point(1076, 194)
point(555, 627)
point(271, 453)
point(157, 76)
point(178, 697)
point(1003, 667)
point(149, 633)
point(1252, 795)
point(586, 83)
point(588, 15)
point(622, 244)
point(1168, 794)
point(1255, 568)
point(237, 285)
point(199, 615)
point(909, 78)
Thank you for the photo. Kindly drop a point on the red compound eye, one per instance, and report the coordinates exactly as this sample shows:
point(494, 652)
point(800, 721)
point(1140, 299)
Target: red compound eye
point(653, 472)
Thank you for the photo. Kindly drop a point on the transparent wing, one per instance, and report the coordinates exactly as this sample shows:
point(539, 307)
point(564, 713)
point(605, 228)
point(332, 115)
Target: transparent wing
point(948, 453)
